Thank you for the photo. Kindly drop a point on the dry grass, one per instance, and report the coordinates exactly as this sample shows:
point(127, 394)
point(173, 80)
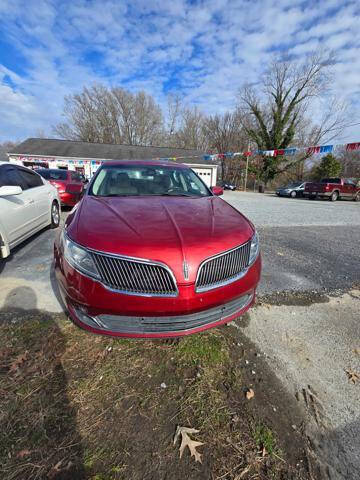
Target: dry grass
point(74, 405)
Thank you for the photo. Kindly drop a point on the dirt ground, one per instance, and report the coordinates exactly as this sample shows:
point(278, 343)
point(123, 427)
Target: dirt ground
point(77, 406)
point(312, 345)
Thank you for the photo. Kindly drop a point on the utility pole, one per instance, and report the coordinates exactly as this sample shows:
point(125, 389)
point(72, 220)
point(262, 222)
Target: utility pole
point(247, 166)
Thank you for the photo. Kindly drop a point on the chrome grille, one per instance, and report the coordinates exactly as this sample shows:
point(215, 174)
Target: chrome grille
point(135, 277)
point(224, 268)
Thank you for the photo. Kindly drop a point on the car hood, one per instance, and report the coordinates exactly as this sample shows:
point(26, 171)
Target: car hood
point(170, 230)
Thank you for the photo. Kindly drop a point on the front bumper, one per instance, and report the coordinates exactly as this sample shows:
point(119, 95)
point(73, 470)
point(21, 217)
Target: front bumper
point(160, 327)
point(94, 307)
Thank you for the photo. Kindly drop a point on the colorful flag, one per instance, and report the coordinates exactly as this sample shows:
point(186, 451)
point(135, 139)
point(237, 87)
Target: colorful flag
point(353, 146)
point(326, 148)
point(312, 150)
point(289, 151)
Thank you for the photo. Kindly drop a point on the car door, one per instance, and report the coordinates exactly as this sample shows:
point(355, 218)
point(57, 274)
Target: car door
point(40, 195)
point(16, 210)
point(349, 188)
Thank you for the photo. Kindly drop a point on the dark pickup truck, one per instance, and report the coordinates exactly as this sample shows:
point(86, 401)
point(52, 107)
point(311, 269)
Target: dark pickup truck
point(334, 189)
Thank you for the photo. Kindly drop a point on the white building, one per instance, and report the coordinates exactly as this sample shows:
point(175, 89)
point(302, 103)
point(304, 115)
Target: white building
point(86, 157)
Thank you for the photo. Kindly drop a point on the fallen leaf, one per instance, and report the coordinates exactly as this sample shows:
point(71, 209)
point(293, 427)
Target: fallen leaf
point(250, 394)
point(264, 452)
point(244, 472)
point(23, 453)
point(356, 351)
point(55, 470)
point(352, 376)
point(186, 441)
point(19, 360)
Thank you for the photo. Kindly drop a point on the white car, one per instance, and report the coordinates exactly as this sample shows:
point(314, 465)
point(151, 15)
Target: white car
point(28, 203)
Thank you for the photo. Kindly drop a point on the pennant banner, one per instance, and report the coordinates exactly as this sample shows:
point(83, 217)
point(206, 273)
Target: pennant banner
point(313, 150)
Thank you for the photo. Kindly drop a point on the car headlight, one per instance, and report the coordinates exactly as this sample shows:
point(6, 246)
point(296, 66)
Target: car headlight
point(254, 248)
point(78, 257)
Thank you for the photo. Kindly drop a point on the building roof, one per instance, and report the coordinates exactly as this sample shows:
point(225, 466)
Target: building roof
point(51, 147)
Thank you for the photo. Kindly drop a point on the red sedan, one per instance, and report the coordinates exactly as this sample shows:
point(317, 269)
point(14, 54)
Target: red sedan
point(68, 183)
point(151, 252)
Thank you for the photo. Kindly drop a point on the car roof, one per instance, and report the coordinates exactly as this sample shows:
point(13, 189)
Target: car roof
point(56, 169)
point(161, 163)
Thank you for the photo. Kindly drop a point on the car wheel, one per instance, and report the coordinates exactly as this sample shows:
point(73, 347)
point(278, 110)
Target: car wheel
point(334, 196)
point(293, 194)
point(357, 197)
point(55, 215)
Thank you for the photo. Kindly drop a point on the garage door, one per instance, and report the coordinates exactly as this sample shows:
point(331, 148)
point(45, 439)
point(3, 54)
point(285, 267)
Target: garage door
point(204, 174)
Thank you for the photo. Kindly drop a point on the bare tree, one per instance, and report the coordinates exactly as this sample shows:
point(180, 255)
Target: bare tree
point(190, 132)
point(174, 110)
point(114, 115)
point(350, 162)
point(5, 147)
point(224, 133)
point(273, 112)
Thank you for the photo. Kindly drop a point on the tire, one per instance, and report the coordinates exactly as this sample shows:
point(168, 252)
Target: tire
point(55, 215)
point(334, 196)
point(293, 194)
point(357, 197)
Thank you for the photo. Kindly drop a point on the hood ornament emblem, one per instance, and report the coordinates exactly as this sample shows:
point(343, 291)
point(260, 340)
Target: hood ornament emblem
point(186, 270)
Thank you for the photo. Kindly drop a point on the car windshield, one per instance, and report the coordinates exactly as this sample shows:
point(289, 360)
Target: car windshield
point(49, 174)
point(139, 180)
point(294, 185)
point(331, 180)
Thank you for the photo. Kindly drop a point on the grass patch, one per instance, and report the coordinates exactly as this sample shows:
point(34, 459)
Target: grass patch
point(203, 349)
point(78, 406)
point(264, 438)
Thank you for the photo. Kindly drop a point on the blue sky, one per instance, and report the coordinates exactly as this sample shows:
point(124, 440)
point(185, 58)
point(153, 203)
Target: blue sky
point(204, 50)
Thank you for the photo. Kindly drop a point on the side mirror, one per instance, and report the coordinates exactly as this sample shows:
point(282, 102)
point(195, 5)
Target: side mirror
point(217, 190)
point(8, 190)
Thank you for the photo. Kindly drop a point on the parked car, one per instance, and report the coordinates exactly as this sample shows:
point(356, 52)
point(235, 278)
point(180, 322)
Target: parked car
point(295, 189)
point(334, 189)
point(165, 257)
point(228, 186)
point(27, 205)
point(68, 183)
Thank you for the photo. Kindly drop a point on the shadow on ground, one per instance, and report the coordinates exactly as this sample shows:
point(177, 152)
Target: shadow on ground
point(40, 439)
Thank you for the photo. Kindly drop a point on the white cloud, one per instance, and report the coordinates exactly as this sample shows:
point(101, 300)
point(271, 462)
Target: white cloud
point(205, 50)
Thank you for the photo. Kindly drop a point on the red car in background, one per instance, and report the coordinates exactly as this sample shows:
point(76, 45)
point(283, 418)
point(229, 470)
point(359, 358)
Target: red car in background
point(334, 189)
point(151, 251)
point(69, 184)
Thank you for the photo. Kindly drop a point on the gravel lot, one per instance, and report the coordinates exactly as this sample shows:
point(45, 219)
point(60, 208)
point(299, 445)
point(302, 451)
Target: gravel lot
point(306, 245)
point(272, 211)
point(311, 339)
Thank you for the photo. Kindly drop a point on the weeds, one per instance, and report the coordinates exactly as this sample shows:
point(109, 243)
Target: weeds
point(264, 438)
point(83, 406)
point(204, 349)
